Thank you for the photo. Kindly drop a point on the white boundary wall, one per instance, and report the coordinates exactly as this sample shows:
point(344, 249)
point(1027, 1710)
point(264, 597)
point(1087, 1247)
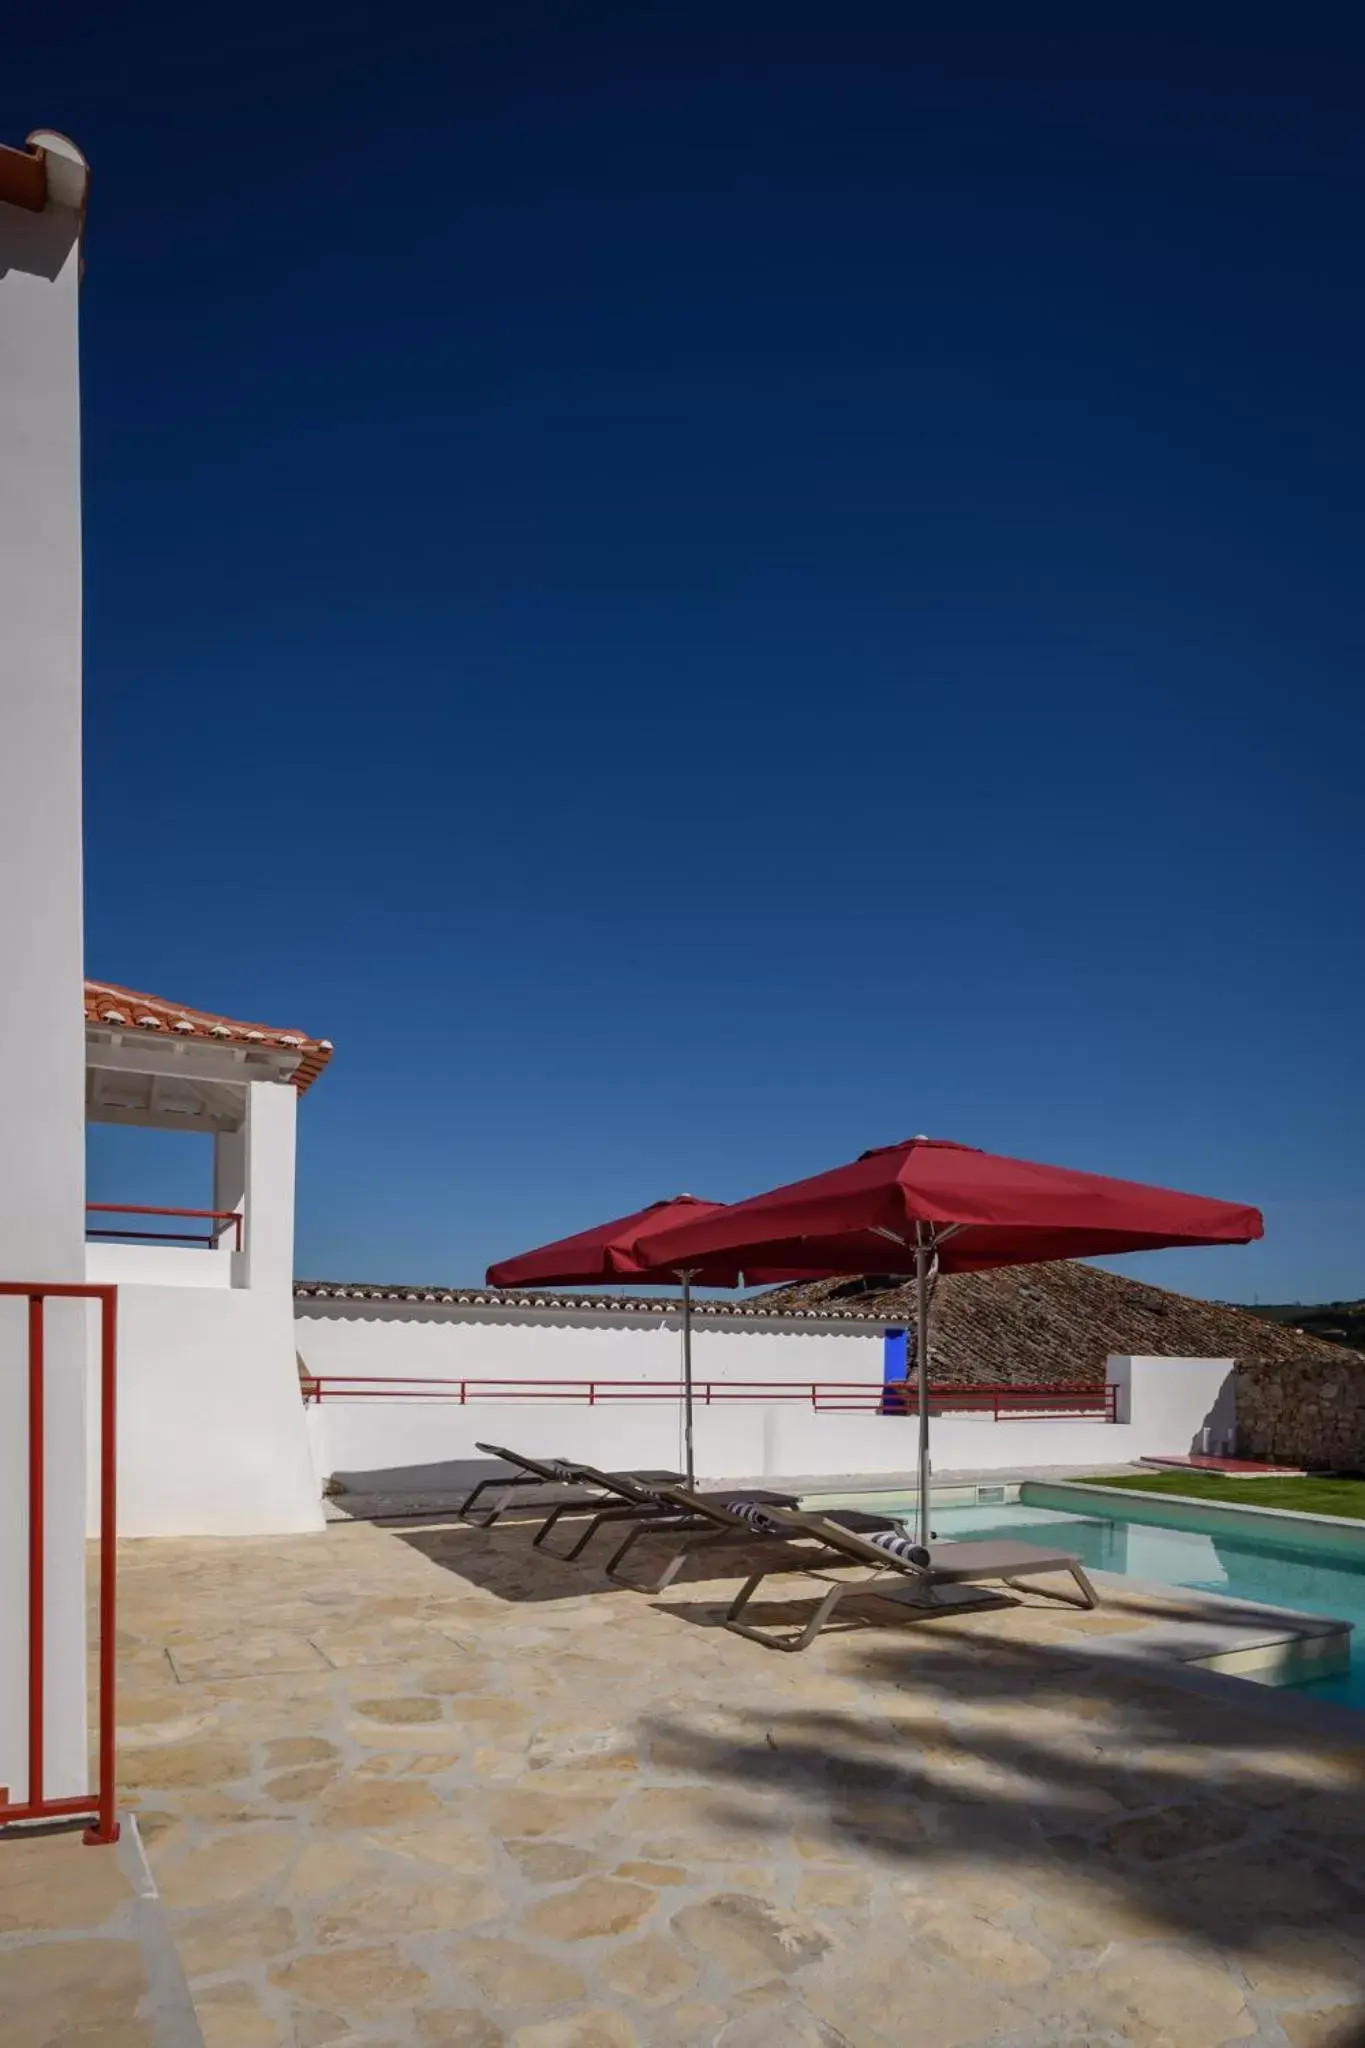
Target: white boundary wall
point(396, 1446)
point(407, 1442)
point(407, 1340)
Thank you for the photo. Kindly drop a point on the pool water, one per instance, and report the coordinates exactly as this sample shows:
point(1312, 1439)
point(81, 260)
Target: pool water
point(1238, 1566)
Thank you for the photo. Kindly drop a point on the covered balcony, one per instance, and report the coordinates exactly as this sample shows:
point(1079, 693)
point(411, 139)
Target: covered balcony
point(192, 1221)
point(191, 1215)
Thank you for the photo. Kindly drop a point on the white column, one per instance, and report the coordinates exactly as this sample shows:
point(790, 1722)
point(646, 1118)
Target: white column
point(229, 1188)
point(272, 1111)
point(42, 1057)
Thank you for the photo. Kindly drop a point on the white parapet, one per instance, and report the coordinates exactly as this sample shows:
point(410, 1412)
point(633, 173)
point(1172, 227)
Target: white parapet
point(1176, 1406)
point(501, 1365)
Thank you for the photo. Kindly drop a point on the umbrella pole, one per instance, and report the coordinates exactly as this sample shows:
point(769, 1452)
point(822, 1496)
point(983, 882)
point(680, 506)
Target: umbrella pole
point(922, 1258)
point(688, 1464)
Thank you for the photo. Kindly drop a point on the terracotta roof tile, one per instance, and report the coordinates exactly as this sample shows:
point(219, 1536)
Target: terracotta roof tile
point(1045, 1325)
point(124, 1008)
point(755, 1306)
point(23, 177)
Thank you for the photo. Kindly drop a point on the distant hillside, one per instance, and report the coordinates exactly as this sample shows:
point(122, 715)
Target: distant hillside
point(1335, 1322)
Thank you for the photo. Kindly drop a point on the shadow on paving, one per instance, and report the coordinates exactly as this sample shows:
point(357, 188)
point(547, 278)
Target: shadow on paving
point(504, 1561)
point(1187, 1808)
point(451, 1479)
point(391, 1491)
point(1184, 1806)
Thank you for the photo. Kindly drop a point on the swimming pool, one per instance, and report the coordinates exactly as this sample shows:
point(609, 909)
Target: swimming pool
point(1242, 1566)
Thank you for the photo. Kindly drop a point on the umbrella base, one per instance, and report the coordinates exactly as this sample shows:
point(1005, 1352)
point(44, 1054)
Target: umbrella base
point(938, 1599)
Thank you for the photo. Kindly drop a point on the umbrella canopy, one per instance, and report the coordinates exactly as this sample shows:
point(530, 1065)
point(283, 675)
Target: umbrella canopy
point(606, 1252)
point(973, 1209)
point(928, 1203)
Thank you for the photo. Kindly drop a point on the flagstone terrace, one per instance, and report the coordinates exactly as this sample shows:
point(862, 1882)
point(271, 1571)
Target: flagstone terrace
point(416, 1784)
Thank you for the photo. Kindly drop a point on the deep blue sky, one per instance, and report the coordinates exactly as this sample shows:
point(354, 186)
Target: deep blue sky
point(703, 587)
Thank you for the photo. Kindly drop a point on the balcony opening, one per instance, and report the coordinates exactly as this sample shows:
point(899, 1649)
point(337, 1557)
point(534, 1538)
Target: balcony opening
point(151, 1212)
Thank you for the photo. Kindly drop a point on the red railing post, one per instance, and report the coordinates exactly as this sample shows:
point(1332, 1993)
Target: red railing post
point(36, 1805)
point(106, 1825)
point(37, 1547)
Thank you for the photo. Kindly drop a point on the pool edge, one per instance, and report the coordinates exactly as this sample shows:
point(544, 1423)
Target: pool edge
point(1334, 1535)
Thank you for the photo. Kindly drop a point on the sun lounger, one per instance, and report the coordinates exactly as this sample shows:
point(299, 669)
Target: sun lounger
point(736, 1516)
point(621, 1497)
point(591, 1483)
point(653, 1504)
point(943, 1566)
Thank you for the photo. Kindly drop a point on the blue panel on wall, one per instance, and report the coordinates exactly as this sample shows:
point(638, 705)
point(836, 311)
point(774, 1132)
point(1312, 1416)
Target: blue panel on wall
point(893, 1366)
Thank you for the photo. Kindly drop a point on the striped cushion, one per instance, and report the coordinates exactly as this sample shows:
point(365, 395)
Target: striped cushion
point(896, 1545)
point(754, 1513)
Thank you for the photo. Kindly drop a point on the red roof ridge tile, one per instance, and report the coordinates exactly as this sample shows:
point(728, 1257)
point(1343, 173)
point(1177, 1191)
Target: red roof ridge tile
point(23, 177)
point(109, 1003)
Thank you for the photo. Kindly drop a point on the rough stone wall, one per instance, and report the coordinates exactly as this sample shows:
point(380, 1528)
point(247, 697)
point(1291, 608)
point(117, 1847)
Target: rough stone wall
point(1310, 1414)
point(1299, 1400)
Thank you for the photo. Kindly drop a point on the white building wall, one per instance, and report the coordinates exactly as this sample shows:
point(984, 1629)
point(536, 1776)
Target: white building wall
point(212, 1435)
point(42, 1122)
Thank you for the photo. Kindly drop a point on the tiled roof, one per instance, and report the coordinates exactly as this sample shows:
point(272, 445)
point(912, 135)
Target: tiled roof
point(125, 1009)
point(48, 171)
point(1018, 1325)
point(754, 1307)
point(23, 178)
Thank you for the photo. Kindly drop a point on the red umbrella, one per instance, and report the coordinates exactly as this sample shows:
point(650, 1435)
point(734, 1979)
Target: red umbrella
point(607, 1253)
point(925, 1202)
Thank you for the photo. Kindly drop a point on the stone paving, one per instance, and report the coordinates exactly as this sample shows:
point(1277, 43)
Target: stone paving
point(422, 1785)
point(84, 1950)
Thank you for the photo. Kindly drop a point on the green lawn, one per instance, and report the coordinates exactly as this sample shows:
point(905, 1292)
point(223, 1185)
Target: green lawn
point(1308, 1496)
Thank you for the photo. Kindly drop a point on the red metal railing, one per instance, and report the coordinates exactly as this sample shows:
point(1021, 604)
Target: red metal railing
point(210, 1238)
point(866, 1397)
point(1009, 1403)
point(99, 1805)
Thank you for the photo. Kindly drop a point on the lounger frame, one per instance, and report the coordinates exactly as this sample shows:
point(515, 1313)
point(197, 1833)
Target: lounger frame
point(931, 1582)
